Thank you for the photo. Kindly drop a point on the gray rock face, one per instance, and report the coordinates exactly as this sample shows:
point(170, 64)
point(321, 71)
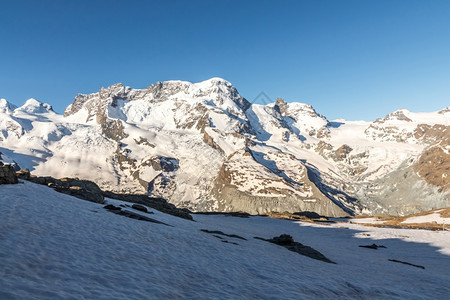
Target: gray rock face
point(166, 164)
point(270, 199)
point(232, 200)
point(402, 192)
point(7, 174)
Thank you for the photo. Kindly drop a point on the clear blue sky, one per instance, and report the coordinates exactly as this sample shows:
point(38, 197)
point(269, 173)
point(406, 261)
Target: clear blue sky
point(350, 59)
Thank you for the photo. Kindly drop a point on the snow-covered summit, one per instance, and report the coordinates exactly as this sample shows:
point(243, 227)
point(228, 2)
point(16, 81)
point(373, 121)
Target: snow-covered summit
point(303, 118)
point(6, 107)
point(403, 116)
point(445, 110)
point(34, 106)
point(118, 101)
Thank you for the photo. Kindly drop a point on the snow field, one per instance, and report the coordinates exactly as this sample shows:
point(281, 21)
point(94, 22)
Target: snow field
point(56, 246)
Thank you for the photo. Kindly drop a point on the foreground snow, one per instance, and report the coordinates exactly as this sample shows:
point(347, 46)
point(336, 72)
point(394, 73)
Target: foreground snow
point(56, 246)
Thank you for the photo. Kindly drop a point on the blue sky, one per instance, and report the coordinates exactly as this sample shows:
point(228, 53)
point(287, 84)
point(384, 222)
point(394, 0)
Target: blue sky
point(349, 59)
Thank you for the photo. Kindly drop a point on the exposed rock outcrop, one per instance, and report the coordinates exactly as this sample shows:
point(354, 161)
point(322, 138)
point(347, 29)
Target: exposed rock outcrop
point(241, 187)
point(83, 189)
point(156, 203)
point(24, 174)
point(88, 190)
point(130, 214)
point(288, 242)
point(7, 174)
point(434, 166)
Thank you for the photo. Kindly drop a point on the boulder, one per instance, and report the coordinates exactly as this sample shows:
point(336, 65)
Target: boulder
point(23, 174)
point(284, 239)
point(111, 207)
point(139, 207)
point(7, 174)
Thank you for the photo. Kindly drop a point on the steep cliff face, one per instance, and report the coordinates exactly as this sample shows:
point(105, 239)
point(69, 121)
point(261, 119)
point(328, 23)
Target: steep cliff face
point(433, 164)
point(401, 192)
point(260, 183)
point(205, 147)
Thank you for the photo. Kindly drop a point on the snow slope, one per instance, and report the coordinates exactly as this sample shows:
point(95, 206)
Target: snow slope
point(57, 246)
point(434, 217)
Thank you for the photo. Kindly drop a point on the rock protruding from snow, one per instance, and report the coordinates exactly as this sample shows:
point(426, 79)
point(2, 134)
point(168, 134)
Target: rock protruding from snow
point(7, 174)
point(258, 183)
point(444, 111)
point(303, 119)
point(83, 189)
point(398, 115)
point(287, 241)
point(434, 165)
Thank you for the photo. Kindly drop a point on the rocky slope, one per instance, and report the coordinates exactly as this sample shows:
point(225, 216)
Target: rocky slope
point(205, 147)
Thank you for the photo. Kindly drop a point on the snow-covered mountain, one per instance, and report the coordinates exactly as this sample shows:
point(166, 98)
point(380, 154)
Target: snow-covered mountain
point(205, 147)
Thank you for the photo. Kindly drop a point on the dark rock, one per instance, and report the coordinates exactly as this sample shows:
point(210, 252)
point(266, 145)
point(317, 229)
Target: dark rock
point(227, 214)
point(238, 214)
point(156, 203)
point(283, 239)
point(215, 232)
point(23, 174)
point(7, 174)
point(308, 214)
point(373, 246)
point(407, 263)
point(228, 242)
point(162, 163)
point(132, 215)
point(111, 207)
point(83, 189)
point(88, 190)
point(287, 241)
point(44, 180)
point(223, 240)
point(139, 207)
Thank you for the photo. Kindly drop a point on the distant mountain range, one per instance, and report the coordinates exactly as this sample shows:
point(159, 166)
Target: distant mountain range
point(205, 147)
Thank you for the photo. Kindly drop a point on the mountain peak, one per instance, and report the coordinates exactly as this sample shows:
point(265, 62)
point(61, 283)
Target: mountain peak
point(445, 110)
point(213, 84)
point(36, 107)
point(115, 87)
point(400, 114)
point(217, 81)
point(6, 107)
